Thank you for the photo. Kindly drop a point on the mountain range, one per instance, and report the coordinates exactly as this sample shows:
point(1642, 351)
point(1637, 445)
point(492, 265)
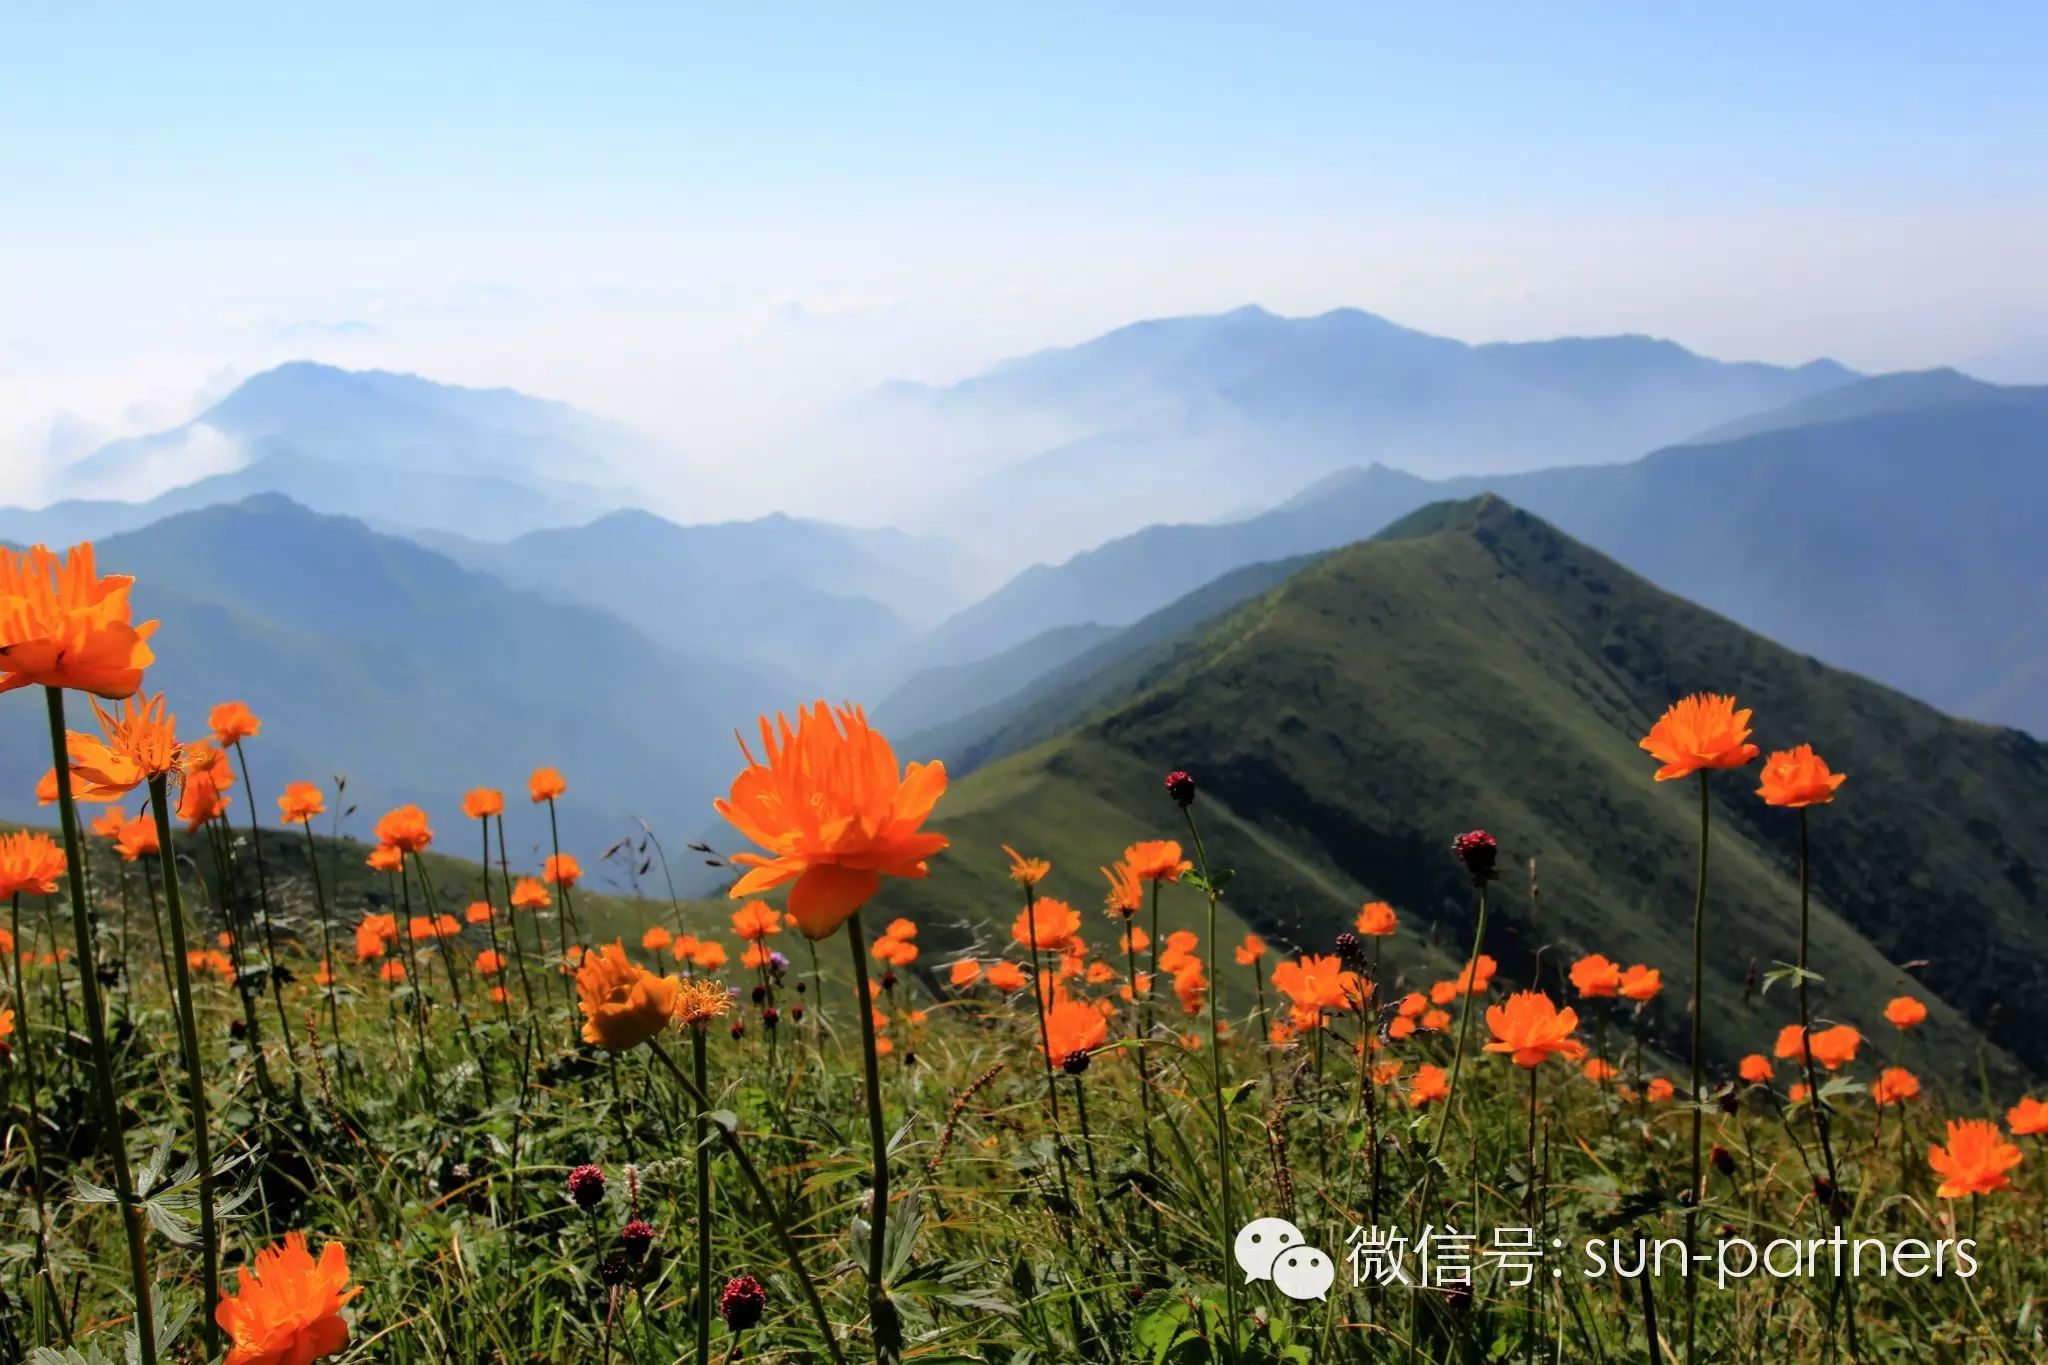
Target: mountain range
point(1474, 666)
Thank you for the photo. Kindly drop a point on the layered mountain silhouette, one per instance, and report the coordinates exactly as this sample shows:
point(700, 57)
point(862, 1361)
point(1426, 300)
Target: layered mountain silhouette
point(1474, 666)
point(1887, 527)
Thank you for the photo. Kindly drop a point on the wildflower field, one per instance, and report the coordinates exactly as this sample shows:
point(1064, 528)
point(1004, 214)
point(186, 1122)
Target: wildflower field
point(273, 1096)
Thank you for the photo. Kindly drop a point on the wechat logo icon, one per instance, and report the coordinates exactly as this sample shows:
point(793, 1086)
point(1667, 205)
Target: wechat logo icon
point(1274, 1249)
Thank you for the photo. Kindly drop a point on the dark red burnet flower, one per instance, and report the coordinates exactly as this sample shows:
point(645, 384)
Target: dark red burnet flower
point(742, 1302)
point(1180, 785)
point(1478, 851)
point(636, 1237)
point(586, 1186)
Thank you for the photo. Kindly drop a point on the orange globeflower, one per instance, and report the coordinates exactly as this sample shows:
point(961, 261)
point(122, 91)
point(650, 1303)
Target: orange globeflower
point(1251, 950)
point(1757, 1069)
point(1026, 871)
point(108, 825)
point(965, 972)
point(1797, 778)
point(46, 788)
point(1659, 1090)
point(232, 722)
point(656, 938)
point(1180, 947)
point(1049, 924)
point(561, 869)
point(1598, 1070)
point(1156, 860)
point(422, 927)
point(1190, 986)
point(1006, 976)
point(489, 962)
point(897, 952)
point(62, 625)
point(835, 813)
point(1699, 732)
point(385, 858)
point(392, 971)
point(1640, 983)
point(1530, 1029)
point(1593, 976)
point(545, 785)
point(755, 921)
point(528, 894)
point(1073, 1029)
point(1319, 983)
point(136, 743)
point(479, 912)
point(480, 802)
point(287, 1310)
point(709, 956)
point(137, 839)
point(900, 928)
point(1834, 1048)
point(29, 862)
point(1975, 1161)
point(405, 829)
point(1376, 919)
point(1126, 892)
point(1905, 1012)
point(623, 1003)
point(1430, 1083)
point(300, 803)
point(1894, 1085)
point(2028, 1118)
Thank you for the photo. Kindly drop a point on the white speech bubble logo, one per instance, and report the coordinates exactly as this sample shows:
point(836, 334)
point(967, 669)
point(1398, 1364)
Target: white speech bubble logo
point(1304, 1273)
point(1260, 1241)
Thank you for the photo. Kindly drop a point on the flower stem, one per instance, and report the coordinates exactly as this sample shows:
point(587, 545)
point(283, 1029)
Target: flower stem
point(1818, 1107)
point(263, 908)
point(880, 1311)
point(1692, 1208)
point(1464, 1031)
point(703, 1173)
point(1224, 1230)
point(103, 1064)
point(326, 947)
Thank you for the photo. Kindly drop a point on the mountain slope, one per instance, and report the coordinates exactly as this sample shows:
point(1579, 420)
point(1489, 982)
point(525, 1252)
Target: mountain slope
point(391, 449)
point(1478, 668)
point(368, 655)
point(1192, 417)
point(1898, 542)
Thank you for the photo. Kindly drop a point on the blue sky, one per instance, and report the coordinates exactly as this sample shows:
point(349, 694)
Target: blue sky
point(705, 219)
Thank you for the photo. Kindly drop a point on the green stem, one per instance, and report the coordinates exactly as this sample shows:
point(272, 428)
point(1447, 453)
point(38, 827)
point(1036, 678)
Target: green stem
point(1692, 1208)
point(1464, 1031)
point(880, 1311)
point(1224, 1227)
point(326, 946)
point(1821, 1128)
point(263, 908)
point(188, 1037)
point(511, 911)
point(703, 1173)
point(111, 1136)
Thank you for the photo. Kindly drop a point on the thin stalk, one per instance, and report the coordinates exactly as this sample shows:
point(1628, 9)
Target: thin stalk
point(1692, 1209)
point(263, 908)
point(880, 1309)
point(1814, 1103)
point(703, 1173)
point(511, 913)
point(326, 945)
point(111, 1136)
point(30, 1064)
point(1222, 1117)
point(1464, 1031)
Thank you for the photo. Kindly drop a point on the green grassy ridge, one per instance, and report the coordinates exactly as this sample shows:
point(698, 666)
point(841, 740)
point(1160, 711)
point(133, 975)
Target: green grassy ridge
point(1475, 667)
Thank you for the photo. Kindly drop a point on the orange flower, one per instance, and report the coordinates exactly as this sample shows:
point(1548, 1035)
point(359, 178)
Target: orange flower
point(1530, 1029)
point(1383, 1073)
point(489, 962)
point(755, 956)
point(1975, 1161)
point(1026, 871)
point(137, 839)
point(1699, 732)
point(1599, 1070)
point(656, 938)
point(324, 976)
point(545, 785)
point(421, 928)
point(561, 869)
point(897, 952)
point(1180, 948)
point(1281, 1033)
point(623, 1004)
point(1376, 919)
point(1594, 977)
point(2028, 1118)
point(46, 788)
point(62, 625)
point(108, 824)
point(392, 971)
point(1640, 983)
point(1905, 1012)
point(136, 743)
point(900, 928)
point(699, 1001)
point(709, 956)
point(479, 912)
point(1100, 973)
point(498, 995)
point(528, 894)
point(207, 777)
point(372, 934)
point(1799, 1091)
point(1757, 1069)
point(1895, 1085)
point(29, 862)
point(1156, 860)
point(1006, 976)
point(288, 1308)
point(835, 814)
point(1436, 1021)
point(1126, 892)
point(480, 802)
point(1430, 1083)
point(1797, 778)
point(385, 858)
point(1659, 1090)
point(1190, 986)
point(300, 803)
point(1251, 950)
point(1049, 924)
point(965, 973)
point(1834, 1048)
point(233, 722)
point(405, 829)
point(1073, 1029)
point(6, 1024)
point(1412, 1005)
point(1319, 983)
point(755, 921)
point(681, 949)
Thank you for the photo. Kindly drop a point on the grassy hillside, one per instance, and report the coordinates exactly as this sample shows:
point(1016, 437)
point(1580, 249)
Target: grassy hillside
point(1475, 667)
